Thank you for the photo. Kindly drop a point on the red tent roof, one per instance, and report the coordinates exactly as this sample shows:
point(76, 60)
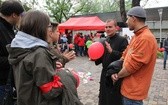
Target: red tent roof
point(83, 23)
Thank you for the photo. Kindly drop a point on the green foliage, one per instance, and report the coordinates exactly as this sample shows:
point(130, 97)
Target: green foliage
point(1, 2)
point(61, 10)
point(88, 7)
point(97, 6)
point(128, 4)
point(159, 54)
point(28, 4)
point(26, 7)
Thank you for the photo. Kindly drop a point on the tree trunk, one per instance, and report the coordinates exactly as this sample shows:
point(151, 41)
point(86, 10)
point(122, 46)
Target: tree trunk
point(135, 3)
point(0, 2)
point(122, 10)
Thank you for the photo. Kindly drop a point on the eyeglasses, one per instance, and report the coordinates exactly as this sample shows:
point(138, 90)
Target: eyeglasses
point(108, 27)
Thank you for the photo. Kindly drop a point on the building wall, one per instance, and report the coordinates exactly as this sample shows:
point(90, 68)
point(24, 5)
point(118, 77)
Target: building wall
point(155, 28)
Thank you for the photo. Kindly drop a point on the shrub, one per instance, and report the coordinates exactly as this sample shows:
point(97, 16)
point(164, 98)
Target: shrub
point(159, 54)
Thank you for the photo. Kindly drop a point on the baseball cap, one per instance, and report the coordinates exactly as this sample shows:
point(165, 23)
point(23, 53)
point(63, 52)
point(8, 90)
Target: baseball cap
point(137, 11)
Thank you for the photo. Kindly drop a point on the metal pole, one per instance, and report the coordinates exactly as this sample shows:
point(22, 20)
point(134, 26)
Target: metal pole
point(160, 15)
point(160, 30)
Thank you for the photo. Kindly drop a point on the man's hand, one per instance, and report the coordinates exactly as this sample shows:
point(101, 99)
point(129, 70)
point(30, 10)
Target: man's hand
point(69, 55)
point(108, 47)
point(114, 77)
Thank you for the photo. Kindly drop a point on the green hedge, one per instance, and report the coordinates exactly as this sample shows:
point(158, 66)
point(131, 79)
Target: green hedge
point(159, 54)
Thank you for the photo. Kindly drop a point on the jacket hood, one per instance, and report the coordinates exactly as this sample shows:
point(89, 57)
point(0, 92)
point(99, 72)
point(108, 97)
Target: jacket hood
point(22, 45)
point(16, 54)
point(24, 40)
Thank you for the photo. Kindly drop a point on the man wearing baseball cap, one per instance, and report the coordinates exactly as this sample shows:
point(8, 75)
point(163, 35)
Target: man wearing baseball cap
point(139, 59)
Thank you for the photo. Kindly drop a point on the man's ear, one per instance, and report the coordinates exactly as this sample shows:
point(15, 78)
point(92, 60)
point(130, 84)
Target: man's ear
point(134, 18)
point(14, 15)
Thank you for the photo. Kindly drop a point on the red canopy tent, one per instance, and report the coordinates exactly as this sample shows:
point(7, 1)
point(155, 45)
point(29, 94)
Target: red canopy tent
point(83, 23)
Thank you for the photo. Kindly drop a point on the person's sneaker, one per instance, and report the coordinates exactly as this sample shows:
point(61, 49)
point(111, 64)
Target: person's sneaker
point(164, 68)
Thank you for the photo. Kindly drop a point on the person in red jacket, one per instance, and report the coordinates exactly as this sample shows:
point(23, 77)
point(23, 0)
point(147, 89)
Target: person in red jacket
point(76, 41)
point(81, 45)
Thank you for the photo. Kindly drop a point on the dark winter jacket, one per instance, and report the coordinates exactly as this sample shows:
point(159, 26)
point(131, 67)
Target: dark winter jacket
point(6, 36)
point(34, 67)
point(113, 68)
point(59, 55)
point(69, 96)
point(165, 44)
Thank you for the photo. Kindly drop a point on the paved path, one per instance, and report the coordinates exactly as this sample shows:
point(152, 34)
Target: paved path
point(89, 88)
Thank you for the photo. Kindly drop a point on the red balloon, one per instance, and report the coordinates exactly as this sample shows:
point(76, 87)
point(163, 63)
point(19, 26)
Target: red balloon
point(71, 46)
point(161, 49)
point(96, 50)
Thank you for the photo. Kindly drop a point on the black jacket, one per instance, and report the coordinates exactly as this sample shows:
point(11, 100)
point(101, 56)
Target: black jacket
point(165, 44)
point(118, 44)
point(113, 68)
point(6, 36)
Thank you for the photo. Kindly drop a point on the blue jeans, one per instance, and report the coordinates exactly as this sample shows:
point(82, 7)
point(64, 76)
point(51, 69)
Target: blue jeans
point(81, 50)
point(127, 101)
point(76, 49)
point(165, 58)
point(2, 93)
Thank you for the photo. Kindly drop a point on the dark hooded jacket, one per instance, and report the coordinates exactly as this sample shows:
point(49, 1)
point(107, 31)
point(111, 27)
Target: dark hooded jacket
point(34, 67)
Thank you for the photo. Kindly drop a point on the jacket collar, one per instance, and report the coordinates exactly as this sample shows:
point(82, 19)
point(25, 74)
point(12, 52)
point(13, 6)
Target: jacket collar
point(140, 30)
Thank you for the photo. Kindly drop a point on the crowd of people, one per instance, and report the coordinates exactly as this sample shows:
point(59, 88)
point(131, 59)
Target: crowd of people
point(82, 42)
point(33, 59)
